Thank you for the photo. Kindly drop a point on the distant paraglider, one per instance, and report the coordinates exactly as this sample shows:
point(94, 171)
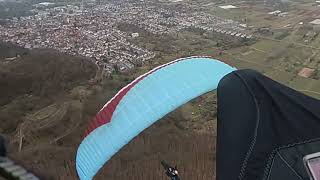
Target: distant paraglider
point(171, 172)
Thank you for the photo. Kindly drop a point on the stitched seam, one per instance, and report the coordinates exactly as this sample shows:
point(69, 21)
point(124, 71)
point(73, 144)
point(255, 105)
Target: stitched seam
point(290, 166)
point(272, 154)
point(271, 168)
point(253, 141)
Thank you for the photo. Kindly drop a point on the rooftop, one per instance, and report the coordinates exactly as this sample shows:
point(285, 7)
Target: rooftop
point(228, 7)
point(306, 72)
point(315, 22)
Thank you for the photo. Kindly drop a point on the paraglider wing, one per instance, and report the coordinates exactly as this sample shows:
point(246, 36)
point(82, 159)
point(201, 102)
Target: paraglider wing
point(143, 102)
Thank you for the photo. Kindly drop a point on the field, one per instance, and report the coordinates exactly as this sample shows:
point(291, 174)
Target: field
point(282, 52)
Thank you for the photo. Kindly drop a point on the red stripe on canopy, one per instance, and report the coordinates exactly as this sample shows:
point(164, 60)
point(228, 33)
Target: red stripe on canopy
point(104, 116)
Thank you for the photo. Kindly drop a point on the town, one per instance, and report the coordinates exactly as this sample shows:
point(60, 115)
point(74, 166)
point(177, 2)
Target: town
point(172, 67)
point(92, 31)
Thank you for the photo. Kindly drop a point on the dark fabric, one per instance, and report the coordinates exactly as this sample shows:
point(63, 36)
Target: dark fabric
point(3, 151)
point(292, 157)
point(257, 118)
point(281, 171)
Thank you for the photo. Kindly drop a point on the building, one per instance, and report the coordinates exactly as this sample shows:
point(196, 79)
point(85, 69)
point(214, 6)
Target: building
point(134, 35)
point(275, 12)
point(306, 72)
point(228, 7)
point(316, 24)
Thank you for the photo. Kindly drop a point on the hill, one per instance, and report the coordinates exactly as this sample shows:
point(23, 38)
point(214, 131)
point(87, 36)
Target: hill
point(47, 101)
point(32, 79)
